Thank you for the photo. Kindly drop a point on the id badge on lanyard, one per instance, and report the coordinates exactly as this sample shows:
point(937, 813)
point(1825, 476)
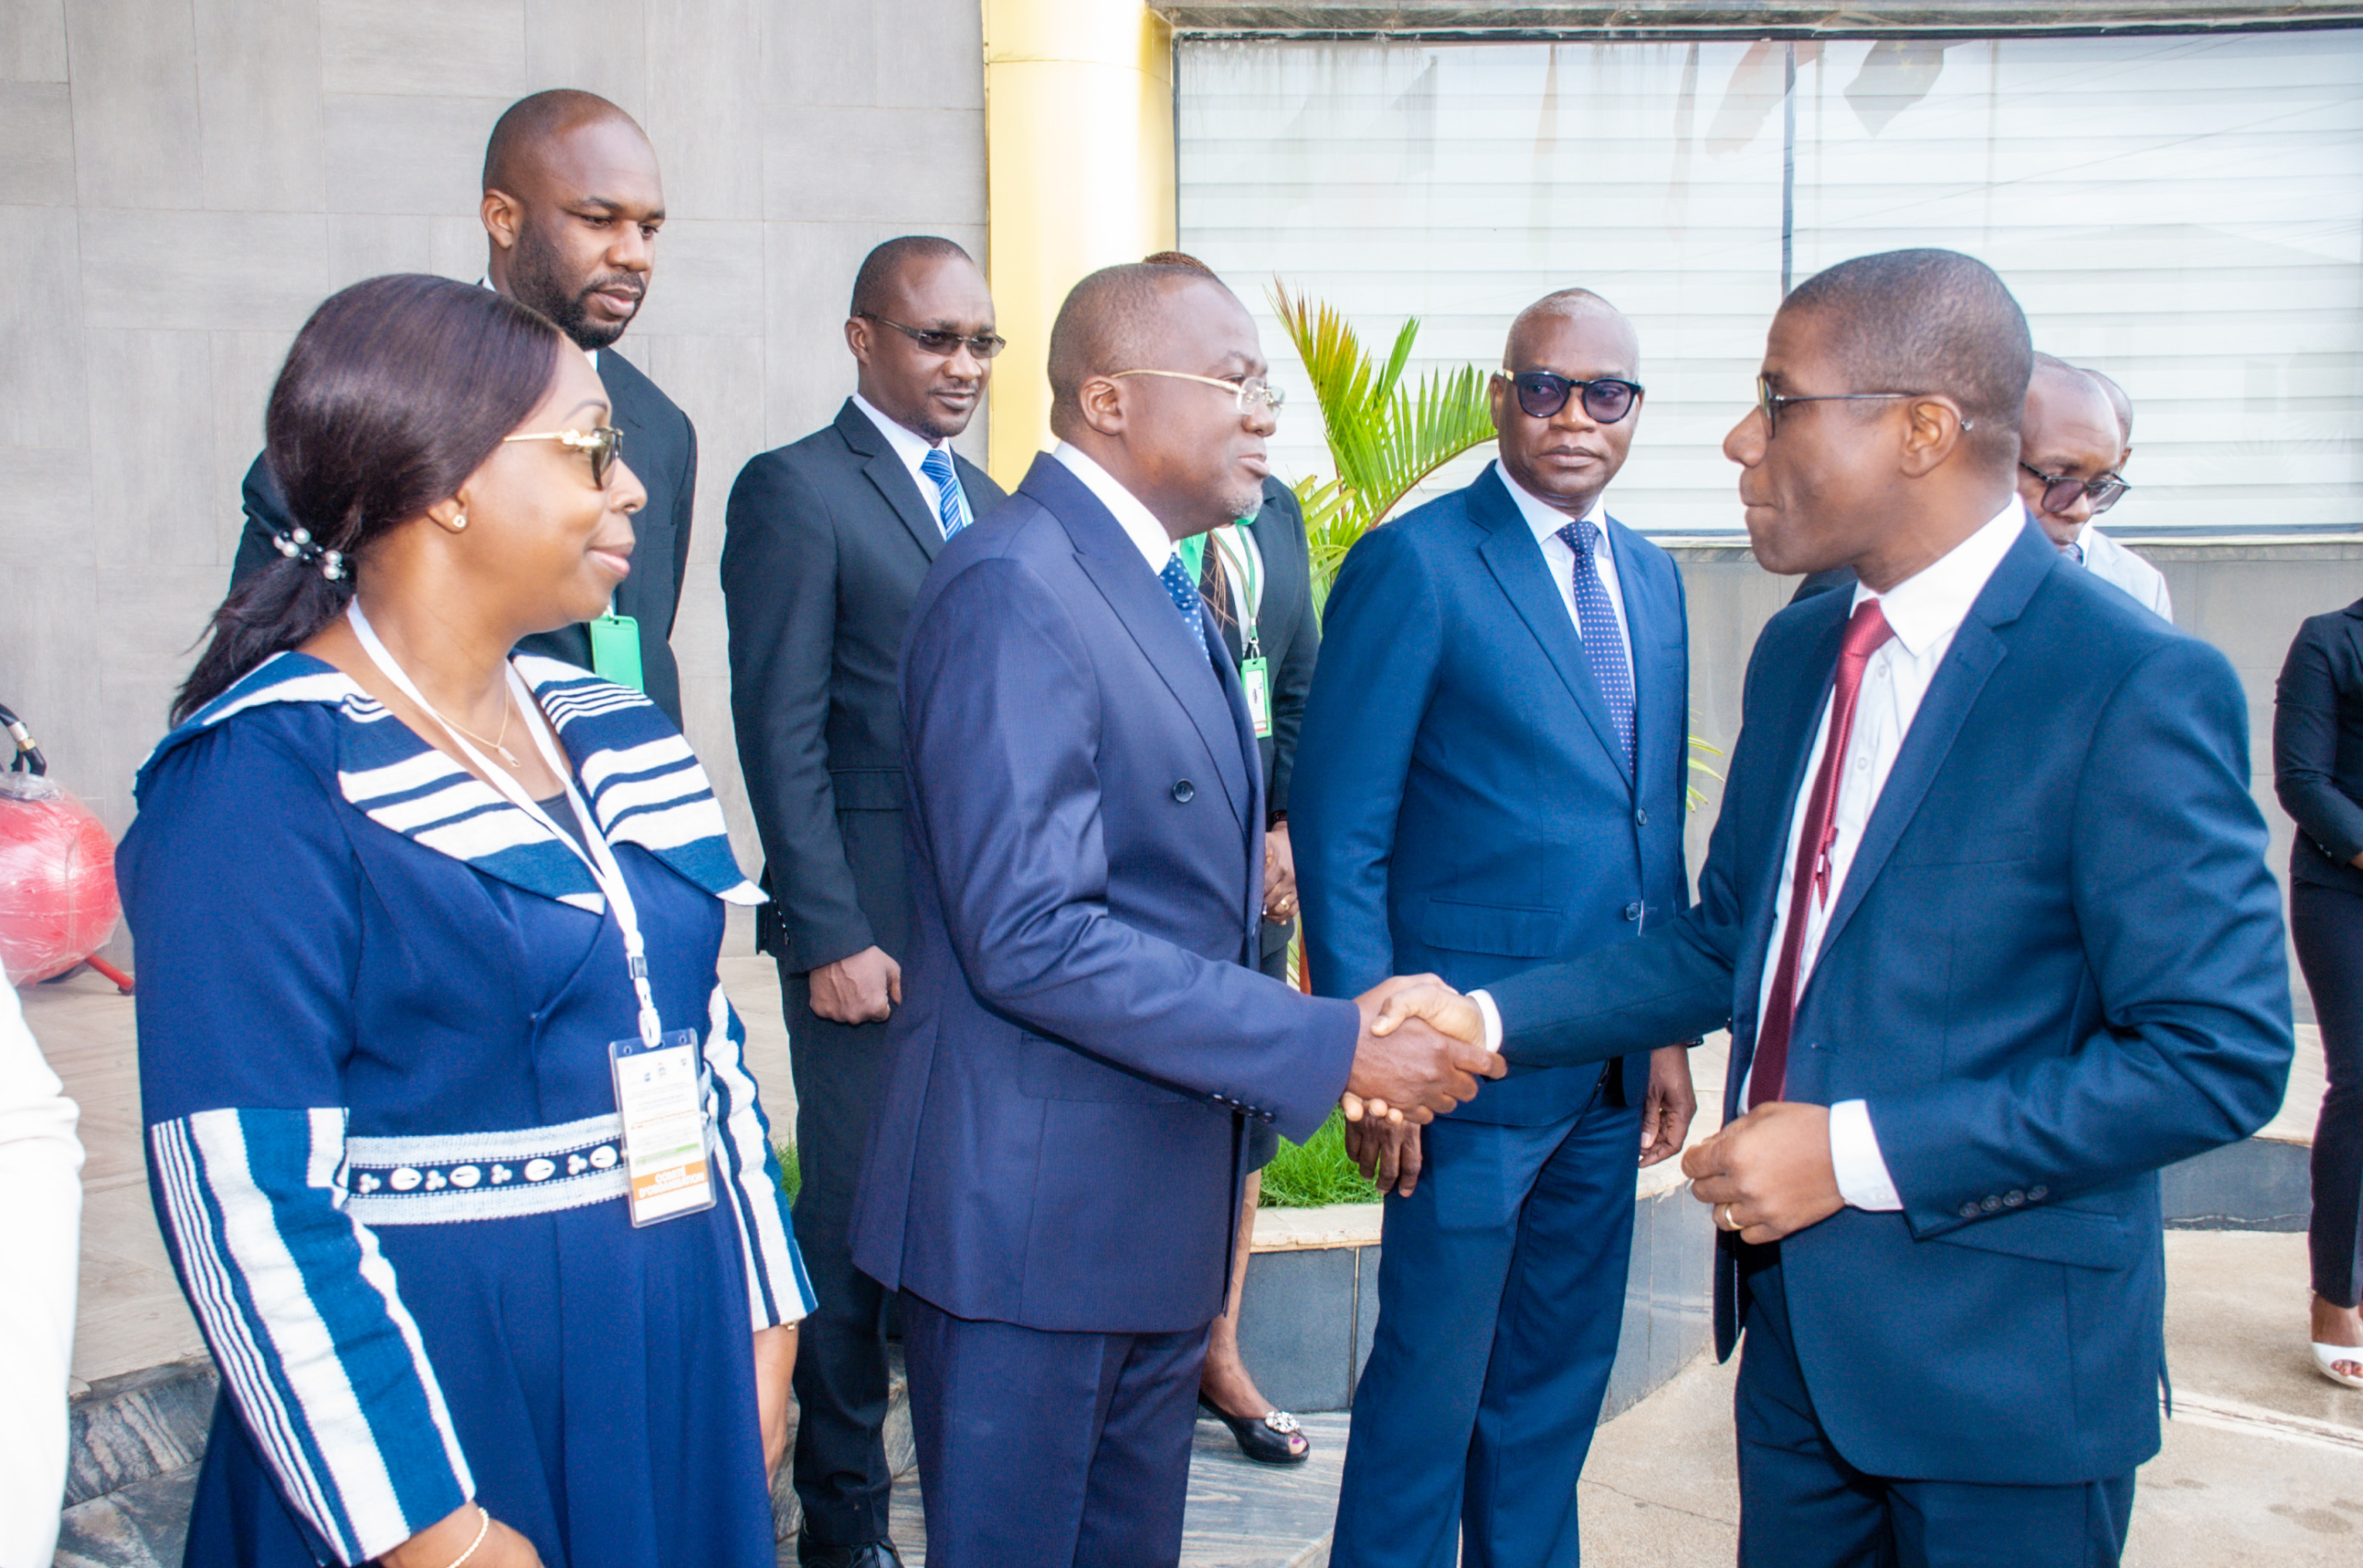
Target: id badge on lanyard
point(660, 1095)
point(1254, 670)
point(659, 1082)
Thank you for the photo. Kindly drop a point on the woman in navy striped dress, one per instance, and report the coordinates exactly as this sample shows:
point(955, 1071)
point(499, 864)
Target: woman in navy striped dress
point(383, 883)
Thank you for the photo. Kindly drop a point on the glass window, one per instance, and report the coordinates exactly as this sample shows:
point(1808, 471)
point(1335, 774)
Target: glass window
point(2180, 212)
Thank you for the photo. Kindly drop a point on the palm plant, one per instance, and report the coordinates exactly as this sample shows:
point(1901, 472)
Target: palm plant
point(1384, 436)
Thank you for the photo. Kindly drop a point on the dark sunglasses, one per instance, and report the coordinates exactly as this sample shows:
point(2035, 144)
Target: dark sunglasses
point(936, 340)
point(1543, 393)
point(2059, 492)
point(603, 443)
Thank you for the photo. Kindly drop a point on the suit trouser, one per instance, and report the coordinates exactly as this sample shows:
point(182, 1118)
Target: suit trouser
point(2326, 924)
point(1040, 1449)
point(1500, 1290)
point(1802, 1505)
point(841, 1380)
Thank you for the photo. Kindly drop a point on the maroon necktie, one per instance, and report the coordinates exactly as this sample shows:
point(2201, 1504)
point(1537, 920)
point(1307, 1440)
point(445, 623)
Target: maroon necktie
point(1815, 835)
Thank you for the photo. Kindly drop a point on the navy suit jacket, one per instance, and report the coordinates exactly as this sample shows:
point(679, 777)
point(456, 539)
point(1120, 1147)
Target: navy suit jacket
point(2054, 966)
point(1082, 1029)
point(1463, 805)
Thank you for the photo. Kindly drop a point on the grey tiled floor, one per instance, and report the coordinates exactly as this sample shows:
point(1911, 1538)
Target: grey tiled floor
point(1241, 1515)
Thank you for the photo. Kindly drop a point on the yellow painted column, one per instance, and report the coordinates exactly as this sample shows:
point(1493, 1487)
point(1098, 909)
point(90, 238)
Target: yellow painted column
point(1078, 176)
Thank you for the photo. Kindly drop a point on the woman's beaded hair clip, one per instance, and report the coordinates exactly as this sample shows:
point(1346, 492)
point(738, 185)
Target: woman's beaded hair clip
point(299, 546)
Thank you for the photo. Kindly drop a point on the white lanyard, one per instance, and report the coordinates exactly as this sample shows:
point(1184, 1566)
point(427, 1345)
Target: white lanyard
point(593, 851)
point(1238, 552)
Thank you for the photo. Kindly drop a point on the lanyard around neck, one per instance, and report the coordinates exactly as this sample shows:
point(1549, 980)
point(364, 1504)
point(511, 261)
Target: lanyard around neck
point(1232, 547)
point(593, 851)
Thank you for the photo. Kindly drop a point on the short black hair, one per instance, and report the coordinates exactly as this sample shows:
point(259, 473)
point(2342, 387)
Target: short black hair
point(1928, 321)
point(1107, 323)
point(885, 263)
point(533, 119)
point(1180, 259)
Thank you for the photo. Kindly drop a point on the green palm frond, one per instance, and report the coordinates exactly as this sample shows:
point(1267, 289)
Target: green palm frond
point(1384, 436)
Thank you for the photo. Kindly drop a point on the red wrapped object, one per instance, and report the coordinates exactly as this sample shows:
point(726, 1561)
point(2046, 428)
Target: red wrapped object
point(57, 897)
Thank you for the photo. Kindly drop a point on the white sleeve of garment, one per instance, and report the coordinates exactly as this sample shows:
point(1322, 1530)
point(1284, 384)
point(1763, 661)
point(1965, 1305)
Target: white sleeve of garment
point(1862, 1179)
point(1492, 1017)
point(40, 1229)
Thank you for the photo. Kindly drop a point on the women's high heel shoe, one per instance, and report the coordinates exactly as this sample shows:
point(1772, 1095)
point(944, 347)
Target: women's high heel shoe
point(1271, 1439)
point(2325, 1360)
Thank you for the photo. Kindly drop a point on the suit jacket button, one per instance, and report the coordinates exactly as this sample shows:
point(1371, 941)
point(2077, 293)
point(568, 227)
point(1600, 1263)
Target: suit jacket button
point(1633, 911)
point(2013, 1199)
point(1184, 791)
point(1989, 1203)
point(1969, 1211)
point(2038, 1194)
point(1641, 817)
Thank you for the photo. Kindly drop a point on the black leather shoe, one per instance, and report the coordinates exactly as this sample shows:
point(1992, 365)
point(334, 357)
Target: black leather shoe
point(1272, 1439)
point(873, 1554)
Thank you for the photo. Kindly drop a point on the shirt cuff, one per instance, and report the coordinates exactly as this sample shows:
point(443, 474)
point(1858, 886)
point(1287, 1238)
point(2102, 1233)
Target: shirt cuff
point(1862, 1179)
point(1492, 1017)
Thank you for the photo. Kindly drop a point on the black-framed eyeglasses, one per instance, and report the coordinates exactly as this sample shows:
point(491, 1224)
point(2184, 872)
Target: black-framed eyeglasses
point(603, 444)
point(937, 341)
point(2059, 491)
point(1769, 403)
point(1543, 393)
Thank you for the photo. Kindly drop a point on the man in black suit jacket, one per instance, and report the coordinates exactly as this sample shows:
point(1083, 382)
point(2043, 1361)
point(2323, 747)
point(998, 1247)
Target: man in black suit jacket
point(823, 548)
point(572, 203)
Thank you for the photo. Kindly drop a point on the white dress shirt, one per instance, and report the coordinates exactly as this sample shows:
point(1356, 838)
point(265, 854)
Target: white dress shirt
point(913, 449)
point(41, 1228)
point(1139, 523)
point(1558, 554)
point(2116, 565)
point(1925, 612)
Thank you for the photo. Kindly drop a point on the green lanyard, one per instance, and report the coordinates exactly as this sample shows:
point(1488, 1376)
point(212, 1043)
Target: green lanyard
point(1254, 670)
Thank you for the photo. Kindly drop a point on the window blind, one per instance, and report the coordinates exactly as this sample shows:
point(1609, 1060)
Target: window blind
point(2184, 213)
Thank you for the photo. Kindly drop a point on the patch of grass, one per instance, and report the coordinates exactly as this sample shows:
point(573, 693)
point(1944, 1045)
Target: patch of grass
point(791, 1171)
point(1317, 1172)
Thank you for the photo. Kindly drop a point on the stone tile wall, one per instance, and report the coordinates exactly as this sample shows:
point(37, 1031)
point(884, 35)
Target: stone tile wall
point(183, 182)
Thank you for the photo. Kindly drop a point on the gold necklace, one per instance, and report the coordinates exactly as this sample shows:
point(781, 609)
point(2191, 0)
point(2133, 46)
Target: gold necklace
point(506, 704)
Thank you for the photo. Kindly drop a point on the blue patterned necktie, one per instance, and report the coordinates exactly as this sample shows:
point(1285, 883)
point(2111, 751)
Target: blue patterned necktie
point(951, 502)
point(1176, 578)
point(1596, 619)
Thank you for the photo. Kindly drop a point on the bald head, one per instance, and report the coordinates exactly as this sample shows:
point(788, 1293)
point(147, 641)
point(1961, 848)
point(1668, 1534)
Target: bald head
point(1121, 318)
point(1157, 376)
point(2070, 432)
point(2121, 404)
point(1543, 321)
point(571, 204)
point(528, 128)
point(1924, 322)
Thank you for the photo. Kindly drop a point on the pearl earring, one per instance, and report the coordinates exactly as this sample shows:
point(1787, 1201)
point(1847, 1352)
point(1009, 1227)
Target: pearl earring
point(459, 522)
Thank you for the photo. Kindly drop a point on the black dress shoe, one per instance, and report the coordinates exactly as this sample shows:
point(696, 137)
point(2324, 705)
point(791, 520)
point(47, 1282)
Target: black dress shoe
point(871, 1554)
point(1265, 1439)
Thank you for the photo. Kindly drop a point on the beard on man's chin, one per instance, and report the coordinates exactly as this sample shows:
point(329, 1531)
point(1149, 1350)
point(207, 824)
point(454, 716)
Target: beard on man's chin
point(535, 279)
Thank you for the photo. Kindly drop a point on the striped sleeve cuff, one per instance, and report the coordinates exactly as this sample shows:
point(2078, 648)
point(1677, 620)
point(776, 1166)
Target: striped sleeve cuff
point(322, 1361)
point(777, 1290)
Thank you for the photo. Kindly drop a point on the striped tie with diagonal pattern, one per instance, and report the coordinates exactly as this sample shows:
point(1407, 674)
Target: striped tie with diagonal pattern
point(951, 501)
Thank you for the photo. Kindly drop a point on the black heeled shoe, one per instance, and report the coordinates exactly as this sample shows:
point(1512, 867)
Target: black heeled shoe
point(1264, 1439)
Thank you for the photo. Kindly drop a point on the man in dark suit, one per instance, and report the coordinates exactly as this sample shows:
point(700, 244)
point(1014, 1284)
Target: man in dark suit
point(1987, 911)
point(826, 541)
point(572, 203)
point(1054, 1167)
point(1494, 769)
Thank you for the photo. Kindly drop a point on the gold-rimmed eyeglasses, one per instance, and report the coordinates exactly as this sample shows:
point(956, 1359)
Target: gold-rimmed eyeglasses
point(603, 443)
point(1252, 393)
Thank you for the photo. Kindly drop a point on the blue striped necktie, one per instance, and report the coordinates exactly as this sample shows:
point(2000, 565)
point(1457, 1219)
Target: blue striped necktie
point(951, 503)
point(1596, 619)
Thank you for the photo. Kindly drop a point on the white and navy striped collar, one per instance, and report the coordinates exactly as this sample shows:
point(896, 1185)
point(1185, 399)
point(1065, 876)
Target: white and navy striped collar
point(643, 783)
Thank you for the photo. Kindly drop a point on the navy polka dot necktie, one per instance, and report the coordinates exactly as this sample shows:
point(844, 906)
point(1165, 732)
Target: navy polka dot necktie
point(1176, 578)
point(1596, 619)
